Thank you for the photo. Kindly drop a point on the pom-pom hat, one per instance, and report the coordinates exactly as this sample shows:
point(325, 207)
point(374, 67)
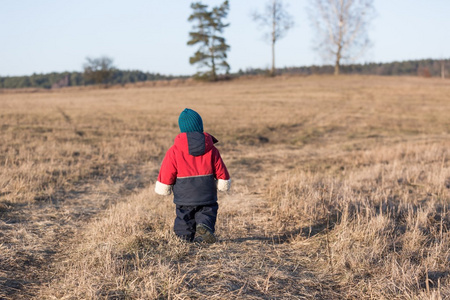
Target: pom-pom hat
point(190, 121)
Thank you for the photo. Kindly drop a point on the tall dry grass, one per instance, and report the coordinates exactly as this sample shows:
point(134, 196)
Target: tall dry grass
point(380, 222)
point(51, 141)
point(340, 188)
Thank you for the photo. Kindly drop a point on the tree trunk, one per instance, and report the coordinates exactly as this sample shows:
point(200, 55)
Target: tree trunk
point(341, 39)
point(272, 72)
point(213, 71)
point(337, 64)
point(443, 69)
point(336, 68)
point(274, 38)
point(213, 63)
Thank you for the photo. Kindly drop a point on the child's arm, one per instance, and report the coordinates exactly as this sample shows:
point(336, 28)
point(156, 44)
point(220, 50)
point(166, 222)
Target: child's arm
point(221, 172)
point(167, 175)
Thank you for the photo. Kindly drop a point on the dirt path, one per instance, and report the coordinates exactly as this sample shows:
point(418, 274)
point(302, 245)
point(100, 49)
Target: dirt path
point(34, 235)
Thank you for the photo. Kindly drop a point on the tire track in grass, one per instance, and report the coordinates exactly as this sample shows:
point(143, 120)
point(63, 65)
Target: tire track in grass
point(33, 235)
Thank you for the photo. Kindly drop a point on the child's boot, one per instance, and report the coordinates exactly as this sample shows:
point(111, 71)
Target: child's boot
point(204, 234)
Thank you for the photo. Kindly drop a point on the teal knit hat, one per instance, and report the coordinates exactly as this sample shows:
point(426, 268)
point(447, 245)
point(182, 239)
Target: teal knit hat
point(190, 121)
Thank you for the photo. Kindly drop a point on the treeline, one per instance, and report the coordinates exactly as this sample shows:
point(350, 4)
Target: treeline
point(424, 68)
point(58, 80)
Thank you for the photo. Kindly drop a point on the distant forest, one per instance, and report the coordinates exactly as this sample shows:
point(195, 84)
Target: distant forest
point(59, 80)
point(424, 68)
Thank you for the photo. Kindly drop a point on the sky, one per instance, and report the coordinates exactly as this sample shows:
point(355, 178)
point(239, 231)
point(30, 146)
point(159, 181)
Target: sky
point(42, 36)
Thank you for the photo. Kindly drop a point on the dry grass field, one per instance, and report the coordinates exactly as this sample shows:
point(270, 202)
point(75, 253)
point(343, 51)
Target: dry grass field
point(341, 190)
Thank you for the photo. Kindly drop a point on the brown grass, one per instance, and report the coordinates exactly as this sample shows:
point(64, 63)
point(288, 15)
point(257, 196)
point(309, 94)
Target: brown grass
point(340, 191)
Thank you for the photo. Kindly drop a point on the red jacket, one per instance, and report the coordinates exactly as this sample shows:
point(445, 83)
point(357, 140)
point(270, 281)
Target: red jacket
point(194, 170)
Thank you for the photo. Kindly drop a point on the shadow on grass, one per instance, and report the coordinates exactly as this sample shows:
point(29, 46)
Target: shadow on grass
point(307, 232)
point(9, 287)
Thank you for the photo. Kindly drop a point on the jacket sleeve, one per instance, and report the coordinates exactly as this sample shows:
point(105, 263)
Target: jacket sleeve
point(221, 172)
point(167, 174)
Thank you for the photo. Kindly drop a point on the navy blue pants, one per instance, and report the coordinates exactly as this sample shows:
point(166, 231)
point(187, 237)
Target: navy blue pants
point(189, 216)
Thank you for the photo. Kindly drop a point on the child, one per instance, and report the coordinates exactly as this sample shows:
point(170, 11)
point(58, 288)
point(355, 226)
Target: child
point(194, 170)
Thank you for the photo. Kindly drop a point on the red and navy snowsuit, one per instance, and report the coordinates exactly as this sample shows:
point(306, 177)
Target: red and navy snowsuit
point(194, 170)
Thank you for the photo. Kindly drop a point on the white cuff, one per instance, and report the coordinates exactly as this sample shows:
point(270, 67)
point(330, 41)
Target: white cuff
point(163, 189)
point(223, 185)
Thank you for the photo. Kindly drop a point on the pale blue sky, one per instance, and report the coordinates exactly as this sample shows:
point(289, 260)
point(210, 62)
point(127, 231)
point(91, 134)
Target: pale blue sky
point(41, 36)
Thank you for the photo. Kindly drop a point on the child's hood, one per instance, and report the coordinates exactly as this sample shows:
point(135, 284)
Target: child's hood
point(195, 143)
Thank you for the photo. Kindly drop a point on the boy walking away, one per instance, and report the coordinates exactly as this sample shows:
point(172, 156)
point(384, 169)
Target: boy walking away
point(194, 170)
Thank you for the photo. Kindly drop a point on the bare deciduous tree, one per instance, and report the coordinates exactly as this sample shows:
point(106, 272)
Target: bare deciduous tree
point(99, 69)
point(278, 20)
point(342, 28)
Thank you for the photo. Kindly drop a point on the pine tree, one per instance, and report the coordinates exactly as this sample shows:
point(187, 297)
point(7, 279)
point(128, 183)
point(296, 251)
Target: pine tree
point(207, 31)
